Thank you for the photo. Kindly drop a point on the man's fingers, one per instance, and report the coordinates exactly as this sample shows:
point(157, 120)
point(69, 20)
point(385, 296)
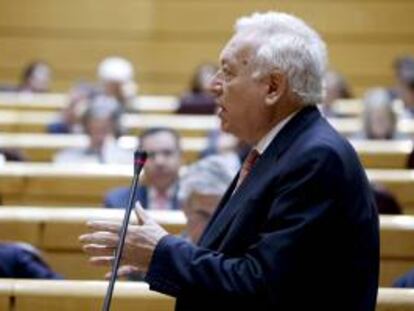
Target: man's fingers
point(103, 238)
point(123, 271)
point(102, 260)
point(102, 225)
point(142, 216)
point(98, 250)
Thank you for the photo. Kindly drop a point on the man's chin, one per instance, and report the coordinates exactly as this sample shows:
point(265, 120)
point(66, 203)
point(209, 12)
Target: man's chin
point(224, 126)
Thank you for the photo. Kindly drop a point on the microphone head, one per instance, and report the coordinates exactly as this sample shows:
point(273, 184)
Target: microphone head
point(140, 157)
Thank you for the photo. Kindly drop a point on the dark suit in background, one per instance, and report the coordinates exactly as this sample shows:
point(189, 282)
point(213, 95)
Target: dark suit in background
point(301, 232)
point(118, 198)
point(21, 261)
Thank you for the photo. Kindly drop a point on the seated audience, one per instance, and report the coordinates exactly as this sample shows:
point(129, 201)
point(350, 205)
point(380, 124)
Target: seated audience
point(198, 100)
point(387, 203)
point(379, 118)
point(35, 78)
point(100, 123)
point(405, 281)
point(219, 142)
point(116, 76)
point(160, 172)
point(201, 189)
point(336, 87)
point(12, 155)
point(404, 90)
point(70, 119)
point(23, 261)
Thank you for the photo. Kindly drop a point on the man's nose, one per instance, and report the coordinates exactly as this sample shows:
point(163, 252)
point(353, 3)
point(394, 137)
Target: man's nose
point(215, 85)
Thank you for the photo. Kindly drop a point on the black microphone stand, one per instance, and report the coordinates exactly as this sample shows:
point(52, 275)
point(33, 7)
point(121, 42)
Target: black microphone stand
point(139, 160)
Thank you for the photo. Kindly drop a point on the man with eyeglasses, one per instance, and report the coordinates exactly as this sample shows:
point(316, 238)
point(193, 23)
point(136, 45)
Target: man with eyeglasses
point(161, 172)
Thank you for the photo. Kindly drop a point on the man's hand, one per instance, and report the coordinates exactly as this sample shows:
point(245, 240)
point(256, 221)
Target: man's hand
point(140, 241)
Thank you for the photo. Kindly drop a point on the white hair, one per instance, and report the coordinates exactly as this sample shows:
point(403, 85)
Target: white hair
point(377, 97)
point(116, 69)
point(288, 44)
point(210, 176)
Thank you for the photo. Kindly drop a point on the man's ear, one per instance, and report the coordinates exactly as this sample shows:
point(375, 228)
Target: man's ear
point(277, 85)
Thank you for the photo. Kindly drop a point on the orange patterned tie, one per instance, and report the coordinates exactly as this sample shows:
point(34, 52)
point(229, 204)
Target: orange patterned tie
point(247, 166)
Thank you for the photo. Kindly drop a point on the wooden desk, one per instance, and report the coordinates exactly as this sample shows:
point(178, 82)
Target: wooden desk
point(56, 230)
point(351, 126)
point(45, 184)
point(399, 182)
point(395, 299)
point(383, 154)
point(397, 247)
point(29, 295)
point(41, 147)
point(58, 101)
point(32, 295)
point(36, 122)
point(6, 293)
point(188, 125)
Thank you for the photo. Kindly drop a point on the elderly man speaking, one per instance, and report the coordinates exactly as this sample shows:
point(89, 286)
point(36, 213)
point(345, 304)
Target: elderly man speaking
point(298, 228)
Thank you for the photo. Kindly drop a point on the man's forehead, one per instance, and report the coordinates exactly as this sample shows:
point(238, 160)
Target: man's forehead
point(167, 138)
point(237, 49)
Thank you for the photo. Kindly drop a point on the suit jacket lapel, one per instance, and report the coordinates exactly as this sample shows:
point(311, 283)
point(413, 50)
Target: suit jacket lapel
point(219, 208)
point(231, 204)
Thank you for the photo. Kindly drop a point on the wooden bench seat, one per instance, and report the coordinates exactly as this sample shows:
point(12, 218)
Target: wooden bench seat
point(29, 295)
point(36, 122)
point(56, 232)
point(57, 101)
point(41, 147)
point(45, 184)
point(45, 295)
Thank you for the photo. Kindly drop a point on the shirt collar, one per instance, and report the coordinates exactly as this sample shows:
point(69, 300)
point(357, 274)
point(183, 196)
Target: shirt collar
point(169, 193)
point(267, 139)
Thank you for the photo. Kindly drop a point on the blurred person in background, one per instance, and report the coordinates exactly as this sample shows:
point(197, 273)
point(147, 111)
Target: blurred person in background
point(116, 78)
point(100, 122)
point(379, 118)
point(70, 119)
point(36, 78)
point(201, 189)
point(199, 100)
point(387, 203)
point(404, 89)
point(336, 87)
point(23, 261)
point(12, 155)
point(160, 172)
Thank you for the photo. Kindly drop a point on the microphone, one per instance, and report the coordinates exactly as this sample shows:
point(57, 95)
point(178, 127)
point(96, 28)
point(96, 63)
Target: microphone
point(140, 158)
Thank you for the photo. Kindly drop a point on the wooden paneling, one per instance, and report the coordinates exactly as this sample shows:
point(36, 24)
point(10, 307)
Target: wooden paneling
point(86, 295)
point(6, 292)
point(331, 17)
point(55, 231)
point(167, 39)
point(60, 228)
point(395, 299)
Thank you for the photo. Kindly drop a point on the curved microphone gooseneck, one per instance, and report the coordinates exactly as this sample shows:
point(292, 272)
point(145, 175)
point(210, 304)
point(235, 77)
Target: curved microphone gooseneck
point(139, 161)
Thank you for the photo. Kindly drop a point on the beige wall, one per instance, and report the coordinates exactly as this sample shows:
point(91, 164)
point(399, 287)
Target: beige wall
point(166, 39)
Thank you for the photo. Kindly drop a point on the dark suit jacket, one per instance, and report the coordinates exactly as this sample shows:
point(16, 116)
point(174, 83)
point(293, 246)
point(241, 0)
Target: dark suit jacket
point(118, 198)
point(405, 281)
point(18, 262)
point(300, 233)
